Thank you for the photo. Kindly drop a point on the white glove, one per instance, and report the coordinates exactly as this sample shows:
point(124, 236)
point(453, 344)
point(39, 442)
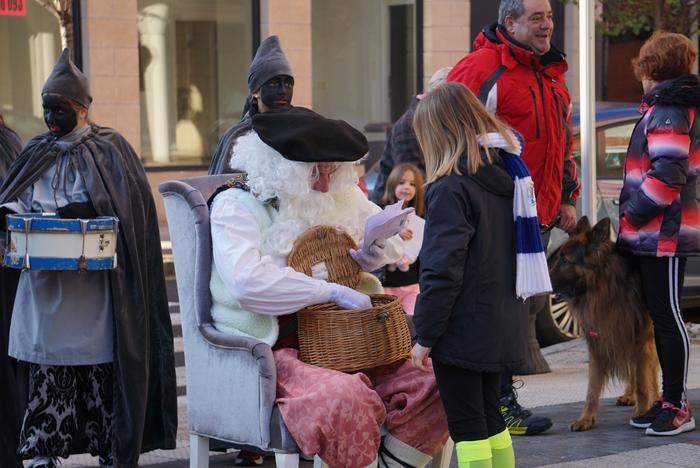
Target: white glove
point(372, 258)
point(348, 298)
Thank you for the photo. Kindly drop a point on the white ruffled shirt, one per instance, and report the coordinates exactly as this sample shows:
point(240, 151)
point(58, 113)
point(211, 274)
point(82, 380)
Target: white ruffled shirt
point(262, 283)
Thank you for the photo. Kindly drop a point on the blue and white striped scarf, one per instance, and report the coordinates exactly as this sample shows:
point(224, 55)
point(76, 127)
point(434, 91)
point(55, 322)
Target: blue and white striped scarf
point(532, 277)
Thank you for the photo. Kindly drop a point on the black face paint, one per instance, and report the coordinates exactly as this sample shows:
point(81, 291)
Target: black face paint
point(59, 115)
point(276, 93)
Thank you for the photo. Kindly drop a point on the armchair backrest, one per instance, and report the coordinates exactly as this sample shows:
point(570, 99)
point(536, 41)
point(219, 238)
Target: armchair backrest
point(190, 234)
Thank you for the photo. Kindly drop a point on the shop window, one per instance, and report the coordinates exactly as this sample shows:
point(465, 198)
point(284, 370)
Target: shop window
point(29, 47)
point(194, 59)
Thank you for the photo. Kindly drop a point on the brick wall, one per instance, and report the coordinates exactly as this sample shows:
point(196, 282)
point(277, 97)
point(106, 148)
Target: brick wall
point(446, 34)
point(291, 21)
point(111, 62)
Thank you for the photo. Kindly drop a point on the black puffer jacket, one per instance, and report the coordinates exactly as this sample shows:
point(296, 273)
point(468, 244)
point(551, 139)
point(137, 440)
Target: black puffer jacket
point(467, 310)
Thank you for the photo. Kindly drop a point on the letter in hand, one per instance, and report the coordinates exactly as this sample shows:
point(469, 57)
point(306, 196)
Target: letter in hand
point(348, 298)
point(77, 210)
point(372, 258)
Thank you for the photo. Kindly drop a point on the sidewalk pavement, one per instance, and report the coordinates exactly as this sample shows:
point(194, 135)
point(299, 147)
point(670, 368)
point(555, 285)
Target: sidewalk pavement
point(612, 443)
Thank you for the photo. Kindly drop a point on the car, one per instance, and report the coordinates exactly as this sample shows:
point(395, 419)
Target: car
point(614, 125)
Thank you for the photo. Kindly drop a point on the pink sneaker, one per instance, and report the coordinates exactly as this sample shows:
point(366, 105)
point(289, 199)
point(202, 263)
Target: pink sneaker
point(672, 420)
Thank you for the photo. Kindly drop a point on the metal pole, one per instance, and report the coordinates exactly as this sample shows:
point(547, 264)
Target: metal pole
point(587, 104)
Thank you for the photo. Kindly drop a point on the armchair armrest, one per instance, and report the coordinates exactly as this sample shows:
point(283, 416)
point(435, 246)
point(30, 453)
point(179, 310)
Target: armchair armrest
point(231, 387)
point(261, 351)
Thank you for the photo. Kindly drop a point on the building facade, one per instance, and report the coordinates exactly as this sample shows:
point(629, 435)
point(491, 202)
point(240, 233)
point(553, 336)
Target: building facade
point(171, 74)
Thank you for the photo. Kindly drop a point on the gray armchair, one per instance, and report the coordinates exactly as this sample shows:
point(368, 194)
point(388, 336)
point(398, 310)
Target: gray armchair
point(231, 380)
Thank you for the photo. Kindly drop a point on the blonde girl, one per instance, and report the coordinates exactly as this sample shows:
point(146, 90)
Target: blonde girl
point(467, 316)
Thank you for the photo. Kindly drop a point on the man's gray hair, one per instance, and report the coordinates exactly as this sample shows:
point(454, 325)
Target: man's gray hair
point(512, 8)
point(438, 78)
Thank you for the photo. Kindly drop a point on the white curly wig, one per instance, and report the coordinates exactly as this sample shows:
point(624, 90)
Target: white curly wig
point(270, 176)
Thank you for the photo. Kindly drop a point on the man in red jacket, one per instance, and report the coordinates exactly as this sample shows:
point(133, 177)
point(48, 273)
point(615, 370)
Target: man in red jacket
point(518, 75)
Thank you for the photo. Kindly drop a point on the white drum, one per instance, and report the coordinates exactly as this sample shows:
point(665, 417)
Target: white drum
point(43, 241)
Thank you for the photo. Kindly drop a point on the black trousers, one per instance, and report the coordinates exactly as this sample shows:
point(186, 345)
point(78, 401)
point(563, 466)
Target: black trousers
point(662, 282)
point(471, 402)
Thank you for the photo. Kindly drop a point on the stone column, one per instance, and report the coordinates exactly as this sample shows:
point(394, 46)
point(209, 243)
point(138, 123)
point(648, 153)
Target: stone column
point(152, 27)
point(42, 57)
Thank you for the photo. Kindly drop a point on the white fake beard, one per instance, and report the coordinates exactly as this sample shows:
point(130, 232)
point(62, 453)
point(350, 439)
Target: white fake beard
point(270, 175)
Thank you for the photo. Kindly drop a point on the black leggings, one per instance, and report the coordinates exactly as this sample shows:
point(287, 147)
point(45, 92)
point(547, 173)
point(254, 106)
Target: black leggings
point(471, 402)
point(662, 282)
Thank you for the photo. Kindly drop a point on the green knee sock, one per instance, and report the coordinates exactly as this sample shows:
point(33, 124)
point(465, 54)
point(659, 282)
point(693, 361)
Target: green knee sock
point(502, 450)
point(474, 454)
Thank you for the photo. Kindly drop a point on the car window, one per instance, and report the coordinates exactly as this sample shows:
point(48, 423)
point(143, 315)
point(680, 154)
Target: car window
point(611, 160)
point(612, 145)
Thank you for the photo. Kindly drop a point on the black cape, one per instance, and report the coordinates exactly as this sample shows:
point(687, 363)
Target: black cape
point(220, 160)
point(145, 402)
point(10, 146)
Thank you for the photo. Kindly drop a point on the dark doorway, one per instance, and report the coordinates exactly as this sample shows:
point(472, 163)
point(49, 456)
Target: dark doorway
point(402, 55)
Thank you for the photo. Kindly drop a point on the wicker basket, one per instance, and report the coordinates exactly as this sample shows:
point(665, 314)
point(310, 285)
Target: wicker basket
point(350, 340)
point(328, 245)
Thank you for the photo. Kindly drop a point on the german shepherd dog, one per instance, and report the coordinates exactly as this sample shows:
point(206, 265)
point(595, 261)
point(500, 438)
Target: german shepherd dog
point(603, 291)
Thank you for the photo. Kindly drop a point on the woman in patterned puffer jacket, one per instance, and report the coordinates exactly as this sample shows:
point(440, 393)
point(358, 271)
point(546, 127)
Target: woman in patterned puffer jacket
point(660, 211)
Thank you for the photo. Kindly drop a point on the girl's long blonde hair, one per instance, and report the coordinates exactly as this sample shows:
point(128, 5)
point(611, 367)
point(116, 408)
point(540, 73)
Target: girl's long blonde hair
point(447, 123)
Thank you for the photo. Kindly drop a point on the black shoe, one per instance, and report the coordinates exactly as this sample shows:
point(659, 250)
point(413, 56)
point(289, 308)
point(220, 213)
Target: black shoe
point(246, 458)
point(672, 420)
point(647, 418)
point(520, 421)
point(106, 461)
point(44, 462)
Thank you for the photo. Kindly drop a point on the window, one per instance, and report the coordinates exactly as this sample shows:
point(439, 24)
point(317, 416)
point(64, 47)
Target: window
point(29, 48)
point(615, 139)
point(363, 59)
point(612, 142)
point(194, 59)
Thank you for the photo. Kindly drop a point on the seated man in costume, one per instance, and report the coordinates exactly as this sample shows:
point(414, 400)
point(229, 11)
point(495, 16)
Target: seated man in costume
point(300, 174)
point(98, 344)
point(271, 86)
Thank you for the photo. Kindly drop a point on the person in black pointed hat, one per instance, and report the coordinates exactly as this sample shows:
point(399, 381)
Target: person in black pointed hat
point(98, 345)
point(271, 86)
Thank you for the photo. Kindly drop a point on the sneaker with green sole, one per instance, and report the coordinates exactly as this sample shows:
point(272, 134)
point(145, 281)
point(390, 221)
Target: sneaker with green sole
point(521, 421)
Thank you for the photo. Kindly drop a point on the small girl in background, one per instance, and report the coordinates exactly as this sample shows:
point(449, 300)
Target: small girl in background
point(405, 182)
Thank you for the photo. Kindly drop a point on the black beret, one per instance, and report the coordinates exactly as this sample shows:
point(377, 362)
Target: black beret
point(300, 134)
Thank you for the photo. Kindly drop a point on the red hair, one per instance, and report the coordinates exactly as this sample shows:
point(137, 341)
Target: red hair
point(664, 56)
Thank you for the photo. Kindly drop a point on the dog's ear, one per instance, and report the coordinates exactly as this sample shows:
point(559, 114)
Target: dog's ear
point(583, 225)
point(601, 231)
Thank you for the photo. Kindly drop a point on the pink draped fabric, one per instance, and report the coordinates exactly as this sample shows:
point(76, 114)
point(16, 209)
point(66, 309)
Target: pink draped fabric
point(338, 415)
point(407, 296)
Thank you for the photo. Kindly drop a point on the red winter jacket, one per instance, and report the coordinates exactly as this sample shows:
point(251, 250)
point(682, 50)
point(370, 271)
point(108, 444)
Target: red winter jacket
point(529, 94)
